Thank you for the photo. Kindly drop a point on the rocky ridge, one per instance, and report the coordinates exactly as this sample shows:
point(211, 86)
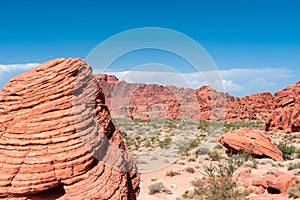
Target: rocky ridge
point(138, 99)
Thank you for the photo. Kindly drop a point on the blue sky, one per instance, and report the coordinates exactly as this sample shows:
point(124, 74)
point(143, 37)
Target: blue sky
point(255, 44)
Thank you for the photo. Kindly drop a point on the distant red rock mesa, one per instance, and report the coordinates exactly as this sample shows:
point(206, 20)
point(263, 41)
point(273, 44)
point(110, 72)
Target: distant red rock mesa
point(138, 99)
point(57, 140)
point(135, 100)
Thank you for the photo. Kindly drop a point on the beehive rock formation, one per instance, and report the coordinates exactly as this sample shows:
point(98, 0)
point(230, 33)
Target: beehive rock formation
point(251, 141)
point(57, 140)
point(286, 116)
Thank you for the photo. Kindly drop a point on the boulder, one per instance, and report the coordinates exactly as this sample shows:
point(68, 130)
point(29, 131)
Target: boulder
point(57, 140)
point(252, 141)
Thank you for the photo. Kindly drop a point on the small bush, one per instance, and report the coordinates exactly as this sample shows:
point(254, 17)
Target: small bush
point(251, 164)
point(165, 143)
point(294, 165)
point(158, 186)
point(218, 183)
point(214, 155)
point(190, 170)
point(287, 151)
point(202, 151)
point(172, 173)
point(298, 153)
point(294, 191)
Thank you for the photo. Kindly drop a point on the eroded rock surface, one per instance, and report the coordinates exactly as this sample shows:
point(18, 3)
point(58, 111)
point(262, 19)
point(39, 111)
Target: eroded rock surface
point(286, 116)
point(252, 141)
point(57, 139)
point(277, 183)
point(206, 104)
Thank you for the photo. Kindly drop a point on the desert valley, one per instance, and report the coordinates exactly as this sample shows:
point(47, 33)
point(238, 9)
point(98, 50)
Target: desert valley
point(66, 133)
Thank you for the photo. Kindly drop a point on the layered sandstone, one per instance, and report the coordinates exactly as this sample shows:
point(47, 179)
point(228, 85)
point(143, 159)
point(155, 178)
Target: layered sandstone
point(137, 99)
point(57, 139)
point(286, 116)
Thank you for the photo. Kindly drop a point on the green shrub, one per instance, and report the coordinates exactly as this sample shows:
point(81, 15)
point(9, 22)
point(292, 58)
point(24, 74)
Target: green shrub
point(157, 187)
point(202, 151)
point(218, 183)
point(165, 143)
point(298, 153)
point(294, 165)
point(294, 191)
point(214, 155)
point(172, 173)
point(287, 151)
point(190, 170)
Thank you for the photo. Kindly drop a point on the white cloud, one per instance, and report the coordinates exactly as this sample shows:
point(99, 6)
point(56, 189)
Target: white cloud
point(239, 82)
point(10, 71)
point(17, 67)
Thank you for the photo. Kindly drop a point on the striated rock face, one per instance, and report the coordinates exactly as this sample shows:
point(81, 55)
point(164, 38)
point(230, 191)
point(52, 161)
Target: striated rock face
point(286, 116)
point(278, 183)
point(57, 140)
point(254, 107)
point(251, 141)
point(137, 100)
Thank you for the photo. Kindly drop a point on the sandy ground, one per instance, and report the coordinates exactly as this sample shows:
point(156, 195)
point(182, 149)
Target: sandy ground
point(180, 183)
point(177, 184)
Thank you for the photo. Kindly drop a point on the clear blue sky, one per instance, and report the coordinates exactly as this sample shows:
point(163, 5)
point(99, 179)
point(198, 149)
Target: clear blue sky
point(237, 34)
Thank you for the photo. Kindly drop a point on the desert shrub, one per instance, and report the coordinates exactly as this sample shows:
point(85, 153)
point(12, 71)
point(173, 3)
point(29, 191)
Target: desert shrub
point(272, 171)
point(190, 170)
point(158, 186)
point(232, 126)
point(218, 183)
point(218, 146)
point(241, 158)
point(172, 173)
point(287, 151)
point(228, 126)
point(214, 155)
point(251, 164)
point(202, 151)
point(294, 165)
point(294, 191)
point(298, 153)
point(185, 146)
point(165, 143)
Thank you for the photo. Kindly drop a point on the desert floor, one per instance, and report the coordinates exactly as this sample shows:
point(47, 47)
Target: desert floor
point(176, 152)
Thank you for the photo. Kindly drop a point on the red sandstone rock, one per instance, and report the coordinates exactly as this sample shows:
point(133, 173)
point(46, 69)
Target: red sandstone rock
point(270, 183)
point(251, 141)
point(145, 117)
point(286, 116)
point(204, 104)
point(57, 139)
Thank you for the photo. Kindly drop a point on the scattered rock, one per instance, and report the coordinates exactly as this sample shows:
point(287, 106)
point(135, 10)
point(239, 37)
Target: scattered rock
point(252, 141)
